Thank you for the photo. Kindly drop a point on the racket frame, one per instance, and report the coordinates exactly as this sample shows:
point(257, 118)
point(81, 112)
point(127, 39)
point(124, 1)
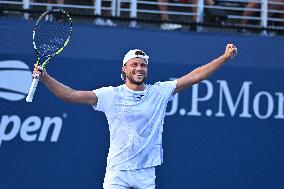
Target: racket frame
point(34, 84)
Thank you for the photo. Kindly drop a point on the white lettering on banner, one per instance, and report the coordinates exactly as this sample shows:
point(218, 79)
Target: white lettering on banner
point(262, 105)
point(280, 114)
point(31, 129)
point(256, 104)
point(195, 98)
point(224, 89)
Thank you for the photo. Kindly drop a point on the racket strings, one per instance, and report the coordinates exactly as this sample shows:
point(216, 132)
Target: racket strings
point(51, 33)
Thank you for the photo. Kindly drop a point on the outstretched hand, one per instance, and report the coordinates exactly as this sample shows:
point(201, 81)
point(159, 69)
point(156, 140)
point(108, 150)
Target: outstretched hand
point(231, 51)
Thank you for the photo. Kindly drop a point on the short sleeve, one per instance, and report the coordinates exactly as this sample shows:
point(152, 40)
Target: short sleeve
point(167, 88)
point(105, 96)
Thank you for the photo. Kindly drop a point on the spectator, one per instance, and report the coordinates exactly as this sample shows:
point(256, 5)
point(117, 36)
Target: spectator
point(100, 21)
point(247, 13)
point(194, 9)
point(250, 5)
point(32, 16)
point(165, 16)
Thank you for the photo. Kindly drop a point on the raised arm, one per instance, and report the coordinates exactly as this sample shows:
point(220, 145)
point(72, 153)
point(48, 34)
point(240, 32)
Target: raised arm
point(64, 92)
point(204, 71)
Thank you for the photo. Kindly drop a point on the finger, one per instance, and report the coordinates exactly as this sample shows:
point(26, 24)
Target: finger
point(35, 75)
point(235, 51)
point(37, 70)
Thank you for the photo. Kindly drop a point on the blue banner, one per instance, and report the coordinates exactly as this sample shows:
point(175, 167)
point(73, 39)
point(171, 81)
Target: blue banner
point(225, 132)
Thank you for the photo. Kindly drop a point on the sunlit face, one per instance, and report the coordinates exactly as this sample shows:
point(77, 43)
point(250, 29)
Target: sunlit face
point(135, 71)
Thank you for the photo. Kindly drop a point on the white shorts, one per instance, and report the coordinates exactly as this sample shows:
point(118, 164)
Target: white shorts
point(122, 179)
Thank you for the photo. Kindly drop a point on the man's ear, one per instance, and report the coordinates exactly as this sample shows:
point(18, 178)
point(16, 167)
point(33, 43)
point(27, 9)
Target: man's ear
point(123, 68)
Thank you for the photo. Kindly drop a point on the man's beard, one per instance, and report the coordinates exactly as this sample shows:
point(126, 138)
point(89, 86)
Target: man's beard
point(131, 80)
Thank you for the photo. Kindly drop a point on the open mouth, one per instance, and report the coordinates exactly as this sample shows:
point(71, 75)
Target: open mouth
point(138, 74)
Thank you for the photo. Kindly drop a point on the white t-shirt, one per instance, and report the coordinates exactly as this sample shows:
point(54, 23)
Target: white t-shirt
point(135, 120)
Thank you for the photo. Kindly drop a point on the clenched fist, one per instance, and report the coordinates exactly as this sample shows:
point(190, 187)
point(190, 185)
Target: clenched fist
point(38, 71)
point(231, 51)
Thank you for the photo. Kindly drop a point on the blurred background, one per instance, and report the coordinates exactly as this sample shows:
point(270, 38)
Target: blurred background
point(245, 16)
point(226, 132)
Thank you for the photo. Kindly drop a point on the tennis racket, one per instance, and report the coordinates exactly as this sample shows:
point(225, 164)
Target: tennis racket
point(51, 35)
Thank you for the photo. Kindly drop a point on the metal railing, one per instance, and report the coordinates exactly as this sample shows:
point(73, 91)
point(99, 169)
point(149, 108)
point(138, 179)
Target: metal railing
point(268, 14)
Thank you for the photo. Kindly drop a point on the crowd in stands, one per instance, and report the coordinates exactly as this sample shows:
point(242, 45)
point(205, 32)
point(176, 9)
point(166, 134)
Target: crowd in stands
point(272, 6)
point(247, 14)
point(251, 9)
point(165, 17)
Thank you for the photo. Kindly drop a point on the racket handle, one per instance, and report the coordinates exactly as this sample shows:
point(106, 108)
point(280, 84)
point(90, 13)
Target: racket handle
point(29, 98)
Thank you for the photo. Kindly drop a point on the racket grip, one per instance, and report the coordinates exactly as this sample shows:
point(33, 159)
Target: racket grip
point(29, 98)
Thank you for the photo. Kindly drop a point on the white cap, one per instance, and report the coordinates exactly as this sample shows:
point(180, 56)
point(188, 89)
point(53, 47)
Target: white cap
point(136, 53)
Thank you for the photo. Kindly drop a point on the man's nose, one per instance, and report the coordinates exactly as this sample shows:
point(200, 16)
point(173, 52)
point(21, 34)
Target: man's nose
point(140, 67)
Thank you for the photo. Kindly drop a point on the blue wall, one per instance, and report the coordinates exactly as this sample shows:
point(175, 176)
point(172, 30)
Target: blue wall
point(227, 132)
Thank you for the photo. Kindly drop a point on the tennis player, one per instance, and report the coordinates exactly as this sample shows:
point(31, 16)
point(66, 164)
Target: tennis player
point(135, 112)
